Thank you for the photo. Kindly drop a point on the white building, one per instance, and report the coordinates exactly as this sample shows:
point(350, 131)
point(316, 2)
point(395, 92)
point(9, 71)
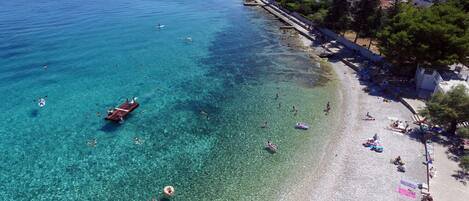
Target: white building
point(429, 81)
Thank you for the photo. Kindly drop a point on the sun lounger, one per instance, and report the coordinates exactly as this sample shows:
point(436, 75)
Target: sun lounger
point(120, 109)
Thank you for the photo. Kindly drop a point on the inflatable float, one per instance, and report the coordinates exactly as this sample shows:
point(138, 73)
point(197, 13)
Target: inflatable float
point(41, 102)
point(168, 191)
point(302, 126)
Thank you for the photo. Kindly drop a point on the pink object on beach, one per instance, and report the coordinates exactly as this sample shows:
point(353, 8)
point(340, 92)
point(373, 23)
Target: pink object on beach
point(407, 193)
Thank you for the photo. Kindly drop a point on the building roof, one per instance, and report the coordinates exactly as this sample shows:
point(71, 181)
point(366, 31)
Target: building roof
point(455, 72)
point(446, 86)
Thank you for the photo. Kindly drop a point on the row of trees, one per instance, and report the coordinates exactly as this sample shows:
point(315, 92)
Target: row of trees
point(433, 37)
point(407, 36)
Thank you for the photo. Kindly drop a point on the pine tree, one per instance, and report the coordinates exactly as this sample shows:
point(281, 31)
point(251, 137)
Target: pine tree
point(338, 16)
point(364, 9)
point(376, 22)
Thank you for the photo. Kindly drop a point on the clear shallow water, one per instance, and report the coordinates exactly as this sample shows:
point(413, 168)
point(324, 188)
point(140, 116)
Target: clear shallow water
point(100, 52)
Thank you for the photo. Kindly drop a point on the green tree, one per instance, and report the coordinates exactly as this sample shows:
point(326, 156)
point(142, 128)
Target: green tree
point(448, 109)
point(319, 16)
point(462, 4)
point(464, 163)
point(394, 9)
point(433, 37)
point(338, 16)
point(375, 25)
point(364, 12)
point(463, 132)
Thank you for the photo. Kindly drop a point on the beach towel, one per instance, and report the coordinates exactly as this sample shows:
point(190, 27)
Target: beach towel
point(393, 118)
point(407, 193)
point(409, 183)
point(398, 133)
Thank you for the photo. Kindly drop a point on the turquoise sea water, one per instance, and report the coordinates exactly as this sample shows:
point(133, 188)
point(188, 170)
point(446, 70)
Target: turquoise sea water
point(100, 52)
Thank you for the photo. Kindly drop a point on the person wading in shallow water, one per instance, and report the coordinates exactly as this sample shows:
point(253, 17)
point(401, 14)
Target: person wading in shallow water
point(264, 125)
point(328, 108)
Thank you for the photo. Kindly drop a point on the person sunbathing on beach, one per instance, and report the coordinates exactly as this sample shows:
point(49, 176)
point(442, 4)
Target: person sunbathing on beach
point(368, 117)
point(398, 161)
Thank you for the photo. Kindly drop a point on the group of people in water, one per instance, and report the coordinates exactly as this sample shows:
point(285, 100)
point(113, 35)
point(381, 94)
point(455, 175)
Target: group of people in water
point(188, 39)
point(273, 147)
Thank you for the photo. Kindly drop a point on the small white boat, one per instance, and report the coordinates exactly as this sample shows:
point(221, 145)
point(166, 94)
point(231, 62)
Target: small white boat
point(302, 125)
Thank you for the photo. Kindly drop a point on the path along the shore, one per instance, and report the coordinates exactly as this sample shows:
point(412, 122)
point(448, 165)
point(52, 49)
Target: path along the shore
point(445, 184)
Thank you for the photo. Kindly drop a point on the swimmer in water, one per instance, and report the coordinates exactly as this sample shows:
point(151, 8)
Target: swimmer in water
point(264, 125)
point(189, 39)
point(160, 26)
point(92, 142)
point(138, 141)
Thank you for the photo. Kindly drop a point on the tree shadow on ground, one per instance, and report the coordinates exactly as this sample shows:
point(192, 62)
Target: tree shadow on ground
point(452, 143)
point(372, 75)
point(461, 176)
